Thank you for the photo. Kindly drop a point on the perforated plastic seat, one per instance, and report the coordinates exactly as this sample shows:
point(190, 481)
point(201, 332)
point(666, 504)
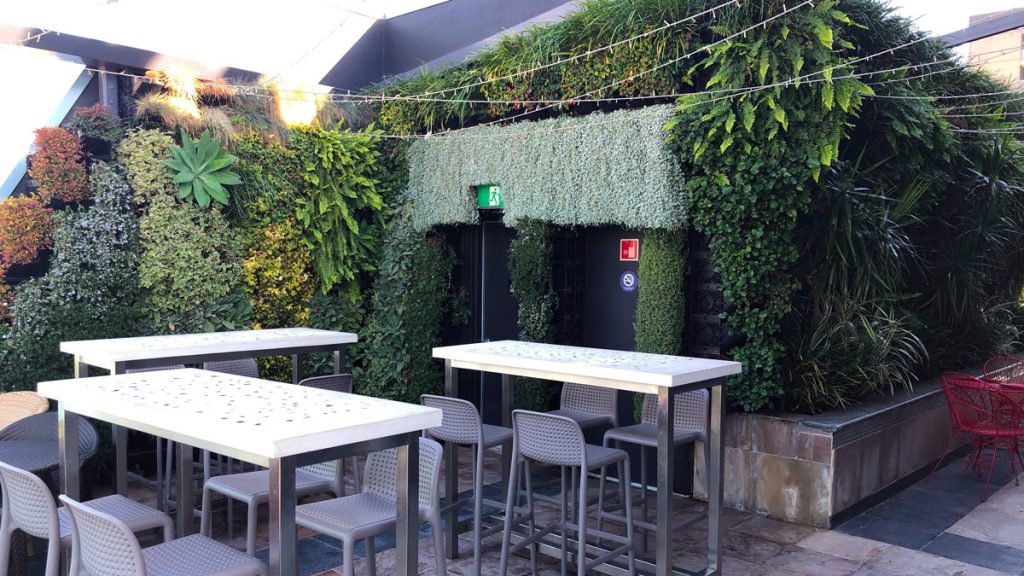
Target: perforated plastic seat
point(28, 506)
point(373, 511)
point(163, 466)
point(558, 441)
point(461, 425)
point(690, 424)
point(589, 406)
point(104, 545)
point(253, 488)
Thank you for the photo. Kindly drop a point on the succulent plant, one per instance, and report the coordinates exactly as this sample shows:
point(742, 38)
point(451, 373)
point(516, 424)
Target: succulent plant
point(201, 168)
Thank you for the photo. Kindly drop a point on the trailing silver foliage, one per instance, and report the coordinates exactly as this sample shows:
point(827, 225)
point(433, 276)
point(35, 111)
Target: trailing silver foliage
point(592, 170)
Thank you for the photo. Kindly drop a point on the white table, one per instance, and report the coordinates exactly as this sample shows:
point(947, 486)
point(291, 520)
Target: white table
point(119, 355)
point(656, 374)
point(280, 426)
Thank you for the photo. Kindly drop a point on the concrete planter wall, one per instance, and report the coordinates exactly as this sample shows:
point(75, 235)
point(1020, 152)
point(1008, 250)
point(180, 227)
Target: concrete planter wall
point(820, 470)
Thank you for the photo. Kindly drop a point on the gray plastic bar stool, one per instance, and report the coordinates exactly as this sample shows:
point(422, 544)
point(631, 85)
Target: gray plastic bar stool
point(253, 488)
point(461, 425)
point(558, 441)
point(589, 406)
point(690, 423)
point(163, 485)
point(106, 546)
point(29, 506)
point(372, 511)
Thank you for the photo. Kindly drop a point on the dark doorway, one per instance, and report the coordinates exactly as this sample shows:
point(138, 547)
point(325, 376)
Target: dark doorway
point(498, 309)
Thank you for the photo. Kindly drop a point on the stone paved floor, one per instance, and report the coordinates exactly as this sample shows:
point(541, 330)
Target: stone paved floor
point(937, 527)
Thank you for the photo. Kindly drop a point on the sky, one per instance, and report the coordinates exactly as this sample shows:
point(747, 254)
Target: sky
point(944, 16)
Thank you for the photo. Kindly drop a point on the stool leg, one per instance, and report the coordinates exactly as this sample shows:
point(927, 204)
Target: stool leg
point(600, 497)
point(250, 528)
point(627, 494)
point(531, 520)
point(643, 496)
point(350, 560)
point(204, 517)
point(478, 506)
point(159, 473)
point(581, 521)
point(510, 510)
point(439, 555)
point(565, 520)
point(371, 555)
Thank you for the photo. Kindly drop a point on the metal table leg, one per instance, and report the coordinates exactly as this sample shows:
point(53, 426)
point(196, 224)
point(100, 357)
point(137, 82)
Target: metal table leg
point(119, 435)
point(407, 515)
point(451, 474)
point(666, 466)
point(296, 368)
point(186, 520)
point(283, 555)
point(716, 447)
point(67, 435)
point(339, 360)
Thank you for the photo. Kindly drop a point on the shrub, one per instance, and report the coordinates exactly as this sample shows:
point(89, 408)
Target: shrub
point(25, 229)
point(190, 262)
point(142, 153)
point(96, 121)
point(342, 313)
point(530, 274)
point(413, 296)
point(271, 178)
point(277, 278)
point(658, 324)
point(6, 298)
point(339, 211)
point(58, 166)
point(89, 291)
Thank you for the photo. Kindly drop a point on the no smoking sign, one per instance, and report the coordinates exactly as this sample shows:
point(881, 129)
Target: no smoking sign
point(627, 281)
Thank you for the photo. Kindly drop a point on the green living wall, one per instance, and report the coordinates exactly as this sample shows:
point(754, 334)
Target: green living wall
point(790, 121)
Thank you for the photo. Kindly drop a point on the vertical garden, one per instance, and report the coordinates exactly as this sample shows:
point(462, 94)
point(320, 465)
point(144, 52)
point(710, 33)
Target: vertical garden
point(864, 208)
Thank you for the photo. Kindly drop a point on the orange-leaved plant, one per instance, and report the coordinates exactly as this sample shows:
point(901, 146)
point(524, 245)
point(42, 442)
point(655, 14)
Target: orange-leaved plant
point(25, 227)
point(58, 166)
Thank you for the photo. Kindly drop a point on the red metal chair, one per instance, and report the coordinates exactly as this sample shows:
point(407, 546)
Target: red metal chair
point(992, 414)
point(1004, 370)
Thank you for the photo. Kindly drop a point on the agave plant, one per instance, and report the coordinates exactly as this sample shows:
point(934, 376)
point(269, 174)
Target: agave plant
point(202, 169)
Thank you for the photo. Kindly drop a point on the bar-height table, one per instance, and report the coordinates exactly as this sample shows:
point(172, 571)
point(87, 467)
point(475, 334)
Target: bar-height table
point(280, 426)
point(657, 374)
point(119, 355)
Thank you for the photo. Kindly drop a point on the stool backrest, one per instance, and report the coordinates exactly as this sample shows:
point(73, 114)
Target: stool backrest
point(549, 438)
point(593, 399)
point(460, 421)
point(381, 472)
point(243, 367)
point(335, 383)
point(331, 382)
point(155, 369)
point(690, 410)
point(103, 544)
point(27, 503)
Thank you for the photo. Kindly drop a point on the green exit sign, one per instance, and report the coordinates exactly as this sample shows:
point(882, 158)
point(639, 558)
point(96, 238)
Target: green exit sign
point(489, 196)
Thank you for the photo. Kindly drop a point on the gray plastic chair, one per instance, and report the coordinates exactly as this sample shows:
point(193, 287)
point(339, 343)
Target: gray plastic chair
point(244, 367)
point(558, 440)
point(252, 488)
point(372, 511)
point(690, 422)
point(29, 506)
point(163, 486)
point(461, 425)
point(589, 406)
point(102, 545)
point(331, 382)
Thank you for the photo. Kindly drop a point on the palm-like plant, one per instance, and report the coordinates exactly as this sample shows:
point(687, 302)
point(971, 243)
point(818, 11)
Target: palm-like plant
point(202, 169)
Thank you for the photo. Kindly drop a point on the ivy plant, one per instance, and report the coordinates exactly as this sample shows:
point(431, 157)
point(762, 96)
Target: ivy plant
point(201, 169)
point(530, 274)
point(339, 210)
